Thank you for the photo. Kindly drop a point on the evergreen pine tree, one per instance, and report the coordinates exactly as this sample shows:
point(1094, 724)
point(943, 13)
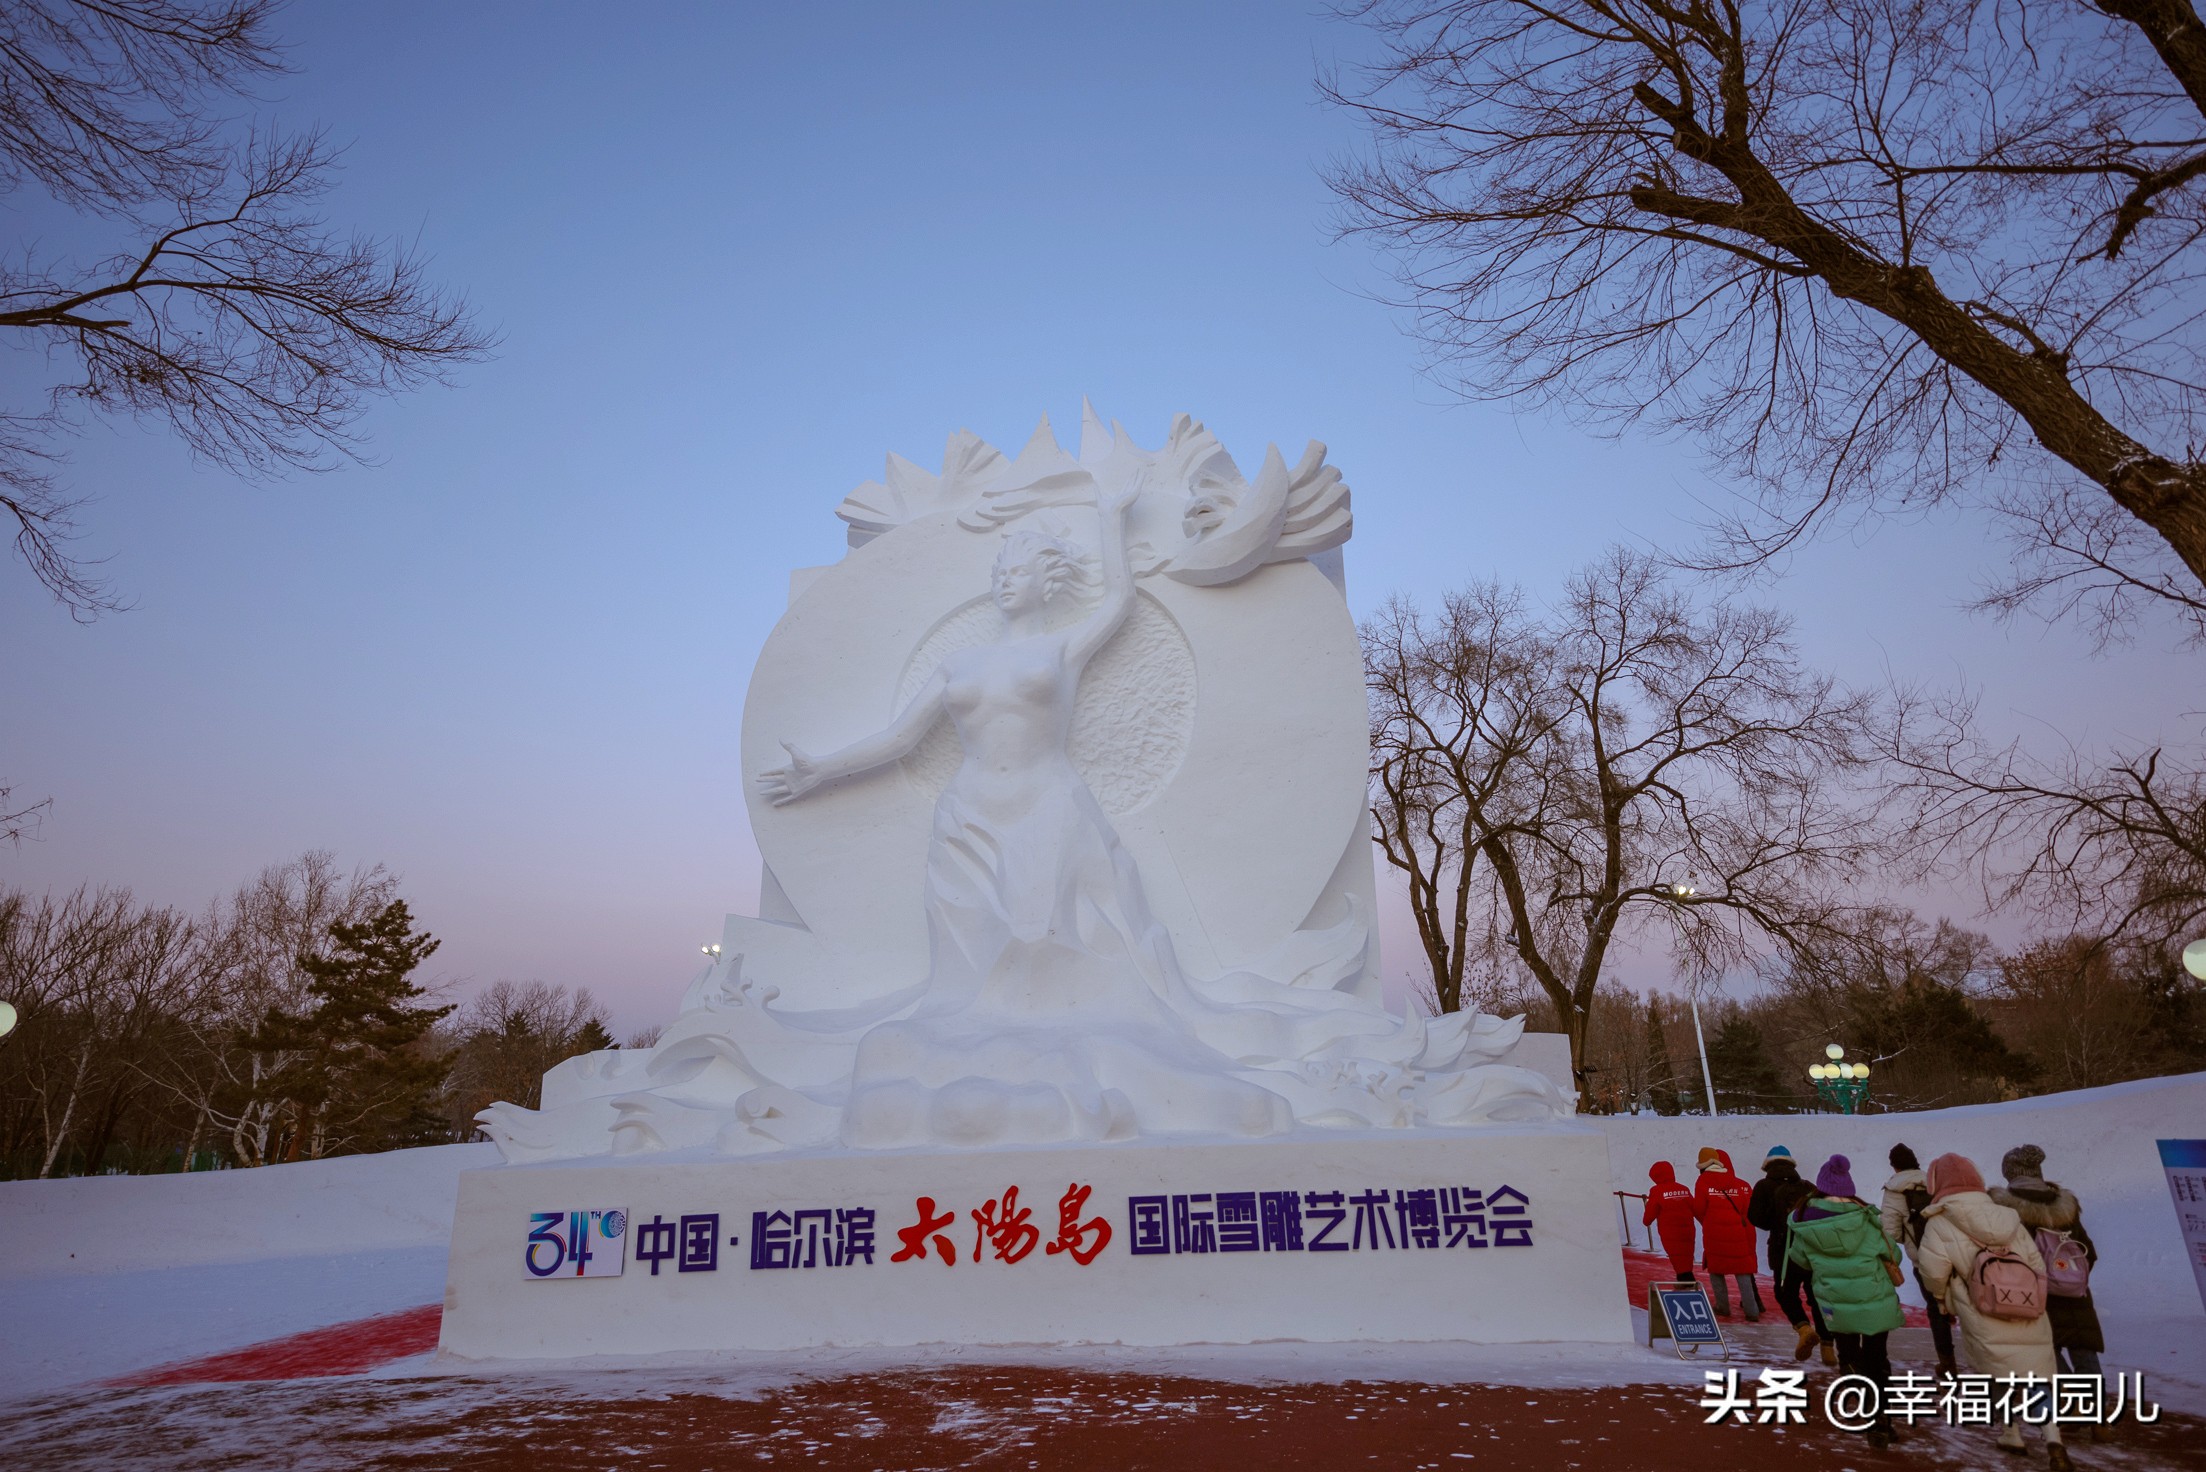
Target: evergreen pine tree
point(591, 1037)
point(1745, 1078)
point(361, 1079)
point(1662, 1089)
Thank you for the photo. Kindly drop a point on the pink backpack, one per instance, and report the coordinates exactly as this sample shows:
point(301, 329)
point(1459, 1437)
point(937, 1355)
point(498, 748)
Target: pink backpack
point(2003, 1286)
point(2067, 1265)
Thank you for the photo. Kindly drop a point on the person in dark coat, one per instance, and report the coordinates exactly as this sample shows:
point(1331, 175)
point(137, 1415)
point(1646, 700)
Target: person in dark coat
point(1775, 1195)
point(1726, 1237)
point(2046, 1206)
point(1670, 1212)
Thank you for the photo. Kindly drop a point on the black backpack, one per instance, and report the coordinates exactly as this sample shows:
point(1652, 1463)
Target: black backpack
point(1917, 1199)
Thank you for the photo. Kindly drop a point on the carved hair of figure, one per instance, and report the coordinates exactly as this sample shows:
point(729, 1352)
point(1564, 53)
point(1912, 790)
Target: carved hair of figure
point(1056, 561)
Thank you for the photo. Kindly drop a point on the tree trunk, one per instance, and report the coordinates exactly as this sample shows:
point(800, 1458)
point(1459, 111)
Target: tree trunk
point(61, 1133)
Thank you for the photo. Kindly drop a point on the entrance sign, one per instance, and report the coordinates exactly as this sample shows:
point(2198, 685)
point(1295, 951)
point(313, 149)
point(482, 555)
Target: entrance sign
point(1682, 1314)
point(2185, 1163)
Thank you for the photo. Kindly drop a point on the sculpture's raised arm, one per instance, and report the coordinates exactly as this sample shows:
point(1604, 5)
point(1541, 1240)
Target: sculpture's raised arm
point(801, 773)
point(1093, 632)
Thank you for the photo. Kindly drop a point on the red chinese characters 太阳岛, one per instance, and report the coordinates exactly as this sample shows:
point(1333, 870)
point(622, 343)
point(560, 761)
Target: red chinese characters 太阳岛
point(1006, 1226)
point(915, 1236)
point(1072, 1233)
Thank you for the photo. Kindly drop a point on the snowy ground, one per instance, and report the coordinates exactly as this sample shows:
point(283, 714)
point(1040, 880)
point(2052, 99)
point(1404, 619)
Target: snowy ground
point(108, 1277)
point(105, 1275)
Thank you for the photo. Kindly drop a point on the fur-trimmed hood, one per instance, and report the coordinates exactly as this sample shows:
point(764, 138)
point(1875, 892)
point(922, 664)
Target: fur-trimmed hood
point(2051, 1205)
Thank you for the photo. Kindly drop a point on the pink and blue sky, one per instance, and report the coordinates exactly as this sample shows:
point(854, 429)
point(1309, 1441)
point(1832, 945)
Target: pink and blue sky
point(736, 253)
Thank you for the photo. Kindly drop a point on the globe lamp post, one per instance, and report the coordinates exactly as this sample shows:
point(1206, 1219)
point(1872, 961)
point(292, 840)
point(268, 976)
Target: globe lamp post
point(2194, 958)
point(1840, 1085)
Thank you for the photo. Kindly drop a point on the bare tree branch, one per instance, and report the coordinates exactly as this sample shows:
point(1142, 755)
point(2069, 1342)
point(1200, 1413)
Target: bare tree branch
point(1864, 253)
point(239, 318)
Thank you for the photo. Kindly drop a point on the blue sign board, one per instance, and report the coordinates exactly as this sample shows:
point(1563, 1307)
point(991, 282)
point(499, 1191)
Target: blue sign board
point(2185, 1164)
point(1681, 1313)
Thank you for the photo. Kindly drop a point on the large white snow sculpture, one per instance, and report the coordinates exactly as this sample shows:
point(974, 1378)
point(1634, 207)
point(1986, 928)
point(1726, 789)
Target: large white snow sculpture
point(1050, 991)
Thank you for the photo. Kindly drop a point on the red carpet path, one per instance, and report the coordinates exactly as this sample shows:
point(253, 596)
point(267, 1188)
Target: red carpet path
point(348, 1349)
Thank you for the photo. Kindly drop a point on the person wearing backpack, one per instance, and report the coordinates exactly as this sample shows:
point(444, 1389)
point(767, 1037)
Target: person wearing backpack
point(1984, 1266)
point(1854, 1272)
point(1770, 1207)
point(2055, 1220)
point(1726, 1237)
point(1906, 1196)
point(1670, 1212)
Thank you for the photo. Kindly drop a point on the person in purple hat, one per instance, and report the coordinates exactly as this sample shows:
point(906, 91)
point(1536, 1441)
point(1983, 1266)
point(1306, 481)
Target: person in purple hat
point(1854, 1273)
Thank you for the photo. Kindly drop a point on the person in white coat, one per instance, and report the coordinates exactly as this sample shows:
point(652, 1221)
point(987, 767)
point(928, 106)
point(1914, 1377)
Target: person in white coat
point(1906, 1197)
point(1960, 1223)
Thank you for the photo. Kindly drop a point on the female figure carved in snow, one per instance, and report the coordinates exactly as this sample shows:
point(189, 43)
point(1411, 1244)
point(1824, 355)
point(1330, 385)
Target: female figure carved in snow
point(1054, 1008)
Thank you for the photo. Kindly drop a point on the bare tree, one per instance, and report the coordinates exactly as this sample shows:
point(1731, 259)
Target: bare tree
point(1630, 764)
point(2117, 851)
point(1868, 254)
point(255, 941)
point(17, 821)
point(2066, 1007)
point(95, 979)
point(506, 1038)
point(236, 315)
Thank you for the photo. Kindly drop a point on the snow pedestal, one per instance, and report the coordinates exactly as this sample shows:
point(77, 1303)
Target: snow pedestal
point(1498, 1235)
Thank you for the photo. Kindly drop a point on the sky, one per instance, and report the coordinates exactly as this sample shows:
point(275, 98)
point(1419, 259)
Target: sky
point(734, 255)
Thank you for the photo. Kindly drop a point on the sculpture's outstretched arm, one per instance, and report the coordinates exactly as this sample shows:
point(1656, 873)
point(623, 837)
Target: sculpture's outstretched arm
point(802, 773)
point(1093, 632)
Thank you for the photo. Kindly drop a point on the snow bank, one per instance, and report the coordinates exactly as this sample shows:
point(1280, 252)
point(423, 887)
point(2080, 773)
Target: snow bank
point(314, 1208)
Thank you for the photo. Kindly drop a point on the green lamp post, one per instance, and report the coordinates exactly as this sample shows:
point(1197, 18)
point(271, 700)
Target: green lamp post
point(1840, 1085)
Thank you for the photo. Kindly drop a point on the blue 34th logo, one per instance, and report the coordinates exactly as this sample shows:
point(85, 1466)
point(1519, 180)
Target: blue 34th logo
point(576, 1244)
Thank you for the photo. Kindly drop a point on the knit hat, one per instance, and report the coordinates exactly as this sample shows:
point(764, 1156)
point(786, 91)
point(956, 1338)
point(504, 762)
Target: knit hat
point(1776, 1152)
point(1903, 1158)
point(1952, 1174)
point(2023, 1164)
point(1710, 1159)
point(1836, 1178)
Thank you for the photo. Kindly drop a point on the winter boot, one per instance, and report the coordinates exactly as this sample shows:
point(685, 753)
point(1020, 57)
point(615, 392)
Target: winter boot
point(2056, 1458)
point(1830, 1353)
point(1806, 1346)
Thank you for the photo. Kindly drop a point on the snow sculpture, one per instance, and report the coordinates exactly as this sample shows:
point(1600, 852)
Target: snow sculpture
point(1046, 992)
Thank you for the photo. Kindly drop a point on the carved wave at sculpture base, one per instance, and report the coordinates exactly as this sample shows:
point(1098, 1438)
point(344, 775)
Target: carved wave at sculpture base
point(1245, 1056)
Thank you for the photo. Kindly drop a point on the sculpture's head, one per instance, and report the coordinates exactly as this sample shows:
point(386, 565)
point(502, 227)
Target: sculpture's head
point(1033, 568)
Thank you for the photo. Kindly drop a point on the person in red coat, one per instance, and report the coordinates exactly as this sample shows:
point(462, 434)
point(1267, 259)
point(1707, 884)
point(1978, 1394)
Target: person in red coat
point(1727, 1239)
point(1670, 1212)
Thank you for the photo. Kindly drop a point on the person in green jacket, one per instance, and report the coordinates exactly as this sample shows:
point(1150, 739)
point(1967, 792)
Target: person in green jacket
point(1840, 1240)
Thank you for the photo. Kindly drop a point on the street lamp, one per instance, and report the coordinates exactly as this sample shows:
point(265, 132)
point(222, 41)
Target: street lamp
point(1842, 1085)
point(7, 1018)
point(712, 951)
point(2194, 958)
